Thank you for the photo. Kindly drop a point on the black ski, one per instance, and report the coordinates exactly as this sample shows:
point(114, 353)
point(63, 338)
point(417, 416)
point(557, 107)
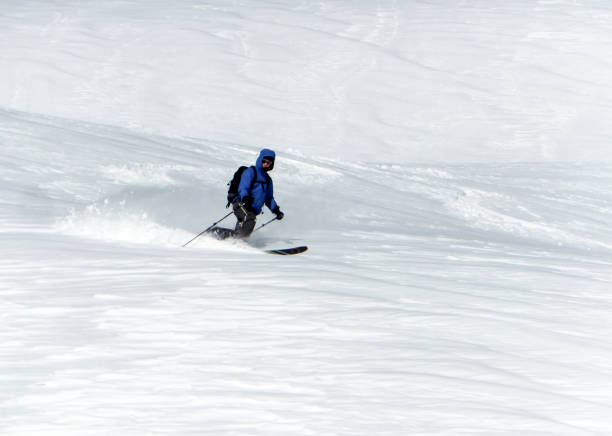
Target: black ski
point(286, 251)
point(222, 233)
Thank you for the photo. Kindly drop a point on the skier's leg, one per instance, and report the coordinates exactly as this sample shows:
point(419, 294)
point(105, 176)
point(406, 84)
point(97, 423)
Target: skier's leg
point(245, 221)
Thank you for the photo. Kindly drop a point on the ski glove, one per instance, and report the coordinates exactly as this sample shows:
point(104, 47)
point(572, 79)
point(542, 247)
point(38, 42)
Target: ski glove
point(247, 202)
point(278, 213)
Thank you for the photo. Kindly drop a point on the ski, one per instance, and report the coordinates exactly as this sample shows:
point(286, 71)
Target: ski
point(286, 251)
point(222, 233)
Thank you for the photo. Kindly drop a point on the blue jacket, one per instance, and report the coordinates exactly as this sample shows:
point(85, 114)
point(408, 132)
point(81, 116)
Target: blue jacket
point(263, 189)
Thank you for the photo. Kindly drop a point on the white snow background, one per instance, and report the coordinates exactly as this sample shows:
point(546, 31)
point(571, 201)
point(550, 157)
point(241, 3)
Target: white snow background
point(446, 162)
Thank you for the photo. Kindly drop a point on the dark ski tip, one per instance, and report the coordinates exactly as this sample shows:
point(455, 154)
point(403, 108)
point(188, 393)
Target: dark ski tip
point(286, 251)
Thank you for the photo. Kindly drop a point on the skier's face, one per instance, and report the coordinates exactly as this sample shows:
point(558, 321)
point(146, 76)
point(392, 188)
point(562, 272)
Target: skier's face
point(267, 164)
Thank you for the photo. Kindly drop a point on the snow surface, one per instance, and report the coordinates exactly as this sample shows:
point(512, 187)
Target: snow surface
point(451, 80)
point(446, 163)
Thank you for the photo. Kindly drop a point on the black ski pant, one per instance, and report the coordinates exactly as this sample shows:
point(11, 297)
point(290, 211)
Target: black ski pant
point(246, 220)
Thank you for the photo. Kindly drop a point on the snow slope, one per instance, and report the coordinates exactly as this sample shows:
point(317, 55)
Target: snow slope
point(525, 80)
point(435, 298)
point(447, 299)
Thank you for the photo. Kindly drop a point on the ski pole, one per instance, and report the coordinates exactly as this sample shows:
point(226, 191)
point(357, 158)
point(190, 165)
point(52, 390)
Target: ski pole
point(210, 227)
point(265, 224)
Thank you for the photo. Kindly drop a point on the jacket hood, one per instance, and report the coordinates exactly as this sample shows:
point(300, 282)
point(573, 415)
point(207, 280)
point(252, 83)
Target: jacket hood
point(266, 152)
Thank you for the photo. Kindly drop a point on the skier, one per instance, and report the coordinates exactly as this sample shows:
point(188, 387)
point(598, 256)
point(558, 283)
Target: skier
point(255, 190)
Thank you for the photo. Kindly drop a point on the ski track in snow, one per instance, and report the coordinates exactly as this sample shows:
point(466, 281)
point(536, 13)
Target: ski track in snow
point(432, 299)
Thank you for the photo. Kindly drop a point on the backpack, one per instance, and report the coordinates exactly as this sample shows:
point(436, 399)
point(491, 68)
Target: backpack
point(233, 184)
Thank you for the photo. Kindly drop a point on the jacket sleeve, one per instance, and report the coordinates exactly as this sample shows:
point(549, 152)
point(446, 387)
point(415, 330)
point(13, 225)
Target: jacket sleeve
point(270, 202)
point(246, 180)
